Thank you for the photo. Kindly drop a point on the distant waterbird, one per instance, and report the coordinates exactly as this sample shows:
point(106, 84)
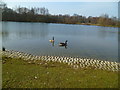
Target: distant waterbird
point(52, 41)
point(63, 44)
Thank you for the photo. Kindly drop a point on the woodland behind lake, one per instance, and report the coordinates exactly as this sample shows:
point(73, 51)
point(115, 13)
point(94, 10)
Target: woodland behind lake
point(36, 14)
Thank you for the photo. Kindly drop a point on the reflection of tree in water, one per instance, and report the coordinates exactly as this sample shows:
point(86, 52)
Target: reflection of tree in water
point(103, 32)
point(44, 30)
point(39, 30)
point(5, 35)
point(25, 30)
point(53, 44)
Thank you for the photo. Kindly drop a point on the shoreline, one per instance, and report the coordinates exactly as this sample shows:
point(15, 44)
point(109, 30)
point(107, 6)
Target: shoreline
point(18, 73)
point(67, 23)
point(72, 61)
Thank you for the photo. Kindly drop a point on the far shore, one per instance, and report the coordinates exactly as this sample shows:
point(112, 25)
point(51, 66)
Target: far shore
point(68, 23)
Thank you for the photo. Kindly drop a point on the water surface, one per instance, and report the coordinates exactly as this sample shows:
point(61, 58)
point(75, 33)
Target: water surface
point(83, 40)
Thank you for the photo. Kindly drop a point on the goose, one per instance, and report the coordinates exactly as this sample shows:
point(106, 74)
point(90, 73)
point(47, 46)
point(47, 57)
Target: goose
point(63, 44)
point(3, 48)
point(52, 40)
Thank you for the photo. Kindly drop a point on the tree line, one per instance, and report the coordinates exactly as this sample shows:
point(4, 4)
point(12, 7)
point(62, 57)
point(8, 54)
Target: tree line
point(35, 14)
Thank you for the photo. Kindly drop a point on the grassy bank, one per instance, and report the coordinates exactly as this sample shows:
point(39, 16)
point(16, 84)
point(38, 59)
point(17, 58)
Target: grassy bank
point(18, 73)
point(90, 24)
point(98, 25)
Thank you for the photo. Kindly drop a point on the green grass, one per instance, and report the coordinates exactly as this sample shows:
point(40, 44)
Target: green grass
point(18, 73)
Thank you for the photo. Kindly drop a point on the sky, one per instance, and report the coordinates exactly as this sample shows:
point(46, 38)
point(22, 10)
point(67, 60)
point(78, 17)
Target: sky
point(85, 8)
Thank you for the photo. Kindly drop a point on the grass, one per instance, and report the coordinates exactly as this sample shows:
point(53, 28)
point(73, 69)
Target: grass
point(18, 73)
point(99, 25)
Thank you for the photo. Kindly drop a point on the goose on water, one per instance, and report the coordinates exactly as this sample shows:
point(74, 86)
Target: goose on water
point(63, 44)
point(52, 40)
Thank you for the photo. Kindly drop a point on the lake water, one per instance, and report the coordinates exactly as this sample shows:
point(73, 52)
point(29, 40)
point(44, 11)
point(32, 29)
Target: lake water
point(83, 40)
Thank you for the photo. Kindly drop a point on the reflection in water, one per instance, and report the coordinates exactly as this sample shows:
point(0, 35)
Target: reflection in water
point(53, 44)
point(23, 30)
point(102, 33)
point(63, 46)
point(5, 35)
point(85, 41)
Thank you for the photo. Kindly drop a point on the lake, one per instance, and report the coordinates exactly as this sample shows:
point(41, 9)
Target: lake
point(95, 42)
